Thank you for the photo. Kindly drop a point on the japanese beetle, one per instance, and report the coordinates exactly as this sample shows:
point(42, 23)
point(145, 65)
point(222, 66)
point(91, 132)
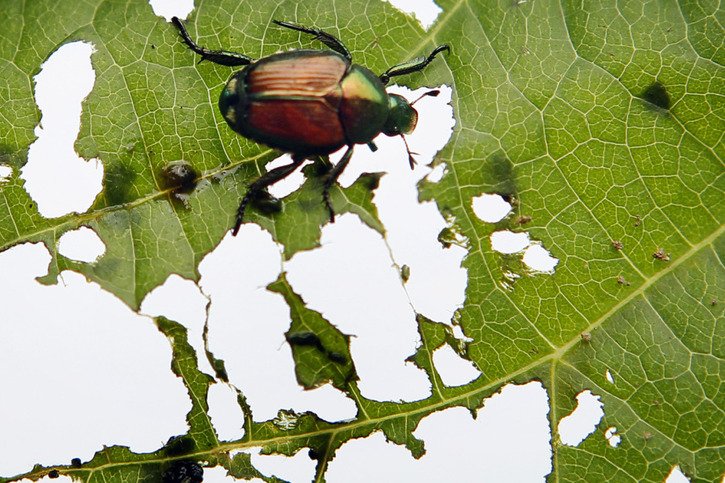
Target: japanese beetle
point(309, 103)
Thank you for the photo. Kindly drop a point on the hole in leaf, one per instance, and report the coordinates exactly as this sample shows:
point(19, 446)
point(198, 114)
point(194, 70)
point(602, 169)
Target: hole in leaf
point(291, 183)
point(172, 8)
point(5, 173)
point(56, 178)
point(76, 328)
point(582, 422)
point(490, 207)
point(181, 300)
point(538, 259)
point(609, 377)
point(426, 11)
point(453, 369)
point(289, 468)
point(508, 242)
point(612, 437)
point(676, 476)
point(225, 412)
point(437, 174)
point(351, 281)
point(510, 428)
point(247, 325)
point(83, 245)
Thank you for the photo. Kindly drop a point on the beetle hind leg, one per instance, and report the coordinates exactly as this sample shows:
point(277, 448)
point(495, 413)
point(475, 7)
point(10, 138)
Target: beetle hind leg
point(331, 179)
point(222, 57)
point(258, 187)
point(328, 39)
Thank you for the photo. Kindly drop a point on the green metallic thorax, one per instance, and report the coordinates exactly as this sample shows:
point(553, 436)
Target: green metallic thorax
point(365, 105)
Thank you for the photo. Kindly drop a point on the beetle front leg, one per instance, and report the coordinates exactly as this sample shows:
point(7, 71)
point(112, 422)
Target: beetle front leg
point(221, 57)
point(412, 65)
point(331, 179)
point(263, 182)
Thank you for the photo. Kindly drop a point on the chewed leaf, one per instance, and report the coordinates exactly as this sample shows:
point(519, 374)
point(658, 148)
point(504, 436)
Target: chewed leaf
point(596, 127)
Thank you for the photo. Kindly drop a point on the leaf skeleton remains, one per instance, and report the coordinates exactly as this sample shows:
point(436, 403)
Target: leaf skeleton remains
point(310, 103)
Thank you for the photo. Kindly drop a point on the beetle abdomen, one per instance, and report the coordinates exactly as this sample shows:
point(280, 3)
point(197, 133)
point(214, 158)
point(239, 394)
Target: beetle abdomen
point(291, 101)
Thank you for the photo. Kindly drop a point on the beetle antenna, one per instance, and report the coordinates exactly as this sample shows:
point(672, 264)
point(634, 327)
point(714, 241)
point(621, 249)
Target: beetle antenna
point(433, 93)
point(411, 159)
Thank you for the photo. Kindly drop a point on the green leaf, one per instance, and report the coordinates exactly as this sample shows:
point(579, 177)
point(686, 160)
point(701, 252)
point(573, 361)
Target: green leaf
point(601, 121)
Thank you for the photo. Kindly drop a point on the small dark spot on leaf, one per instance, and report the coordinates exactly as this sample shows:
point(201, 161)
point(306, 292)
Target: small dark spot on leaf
point(53, 474)
point(661, 254)
point(179, 445)
point(371, 180)
point(647, 435)
point(336, 357)
point(219, 369)
point(523, 219)
point(713, 302)
point(503, 173)
point(118, 182)
point(183, 472)
point(617, 245)
point(656, 94)
point(179, 176)
point(153, 46)
point(586, 336)
point(307, 339)
point(637, 220)
point(75, 462)
point(622, 281)
point(266, 203)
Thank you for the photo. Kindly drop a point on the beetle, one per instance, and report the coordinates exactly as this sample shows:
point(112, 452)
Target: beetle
point(310, 103)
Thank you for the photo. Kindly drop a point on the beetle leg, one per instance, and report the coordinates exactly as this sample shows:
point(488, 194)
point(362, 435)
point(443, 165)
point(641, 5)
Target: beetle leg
point(331, 179)
point(327, 39)
point(221, 57)
point(258, 186)
point(411, 66)
point(411, 159)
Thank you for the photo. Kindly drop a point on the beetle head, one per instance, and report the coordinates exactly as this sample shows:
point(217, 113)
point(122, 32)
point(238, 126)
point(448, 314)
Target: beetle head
point(402, 117)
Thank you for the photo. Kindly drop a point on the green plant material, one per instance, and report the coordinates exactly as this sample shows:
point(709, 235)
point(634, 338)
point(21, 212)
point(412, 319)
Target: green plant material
point(321, 352)
point(603, 119)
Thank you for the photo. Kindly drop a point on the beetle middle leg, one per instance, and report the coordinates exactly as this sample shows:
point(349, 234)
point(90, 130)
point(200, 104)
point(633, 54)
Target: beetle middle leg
point(222, 57)
point(328, 39)
point(331, 179)
point(411, 66)
point(266, 180)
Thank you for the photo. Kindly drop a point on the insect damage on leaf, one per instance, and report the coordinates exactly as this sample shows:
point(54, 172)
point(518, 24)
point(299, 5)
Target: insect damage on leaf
point(310, 103)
